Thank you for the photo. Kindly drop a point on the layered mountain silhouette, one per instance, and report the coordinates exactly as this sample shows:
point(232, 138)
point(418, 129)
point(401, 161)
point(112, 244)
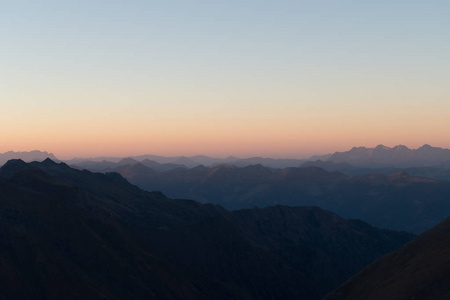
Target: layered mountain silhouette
point(166, 163)
point(379, 157)
point(397, 201)
point(100, 166)
point(71, 234)
point(29, 156)
point(419, 270)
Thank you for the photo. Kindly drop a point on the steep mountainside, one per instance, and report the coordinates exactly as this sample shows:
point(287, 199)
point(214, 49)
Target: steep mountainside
point(419, 270)
point(70, 234)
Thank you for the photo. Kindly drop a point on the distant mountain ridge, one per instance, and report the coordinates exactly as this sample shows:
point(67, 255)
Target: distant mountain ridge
point(189, 162)
point(398, 156)
point(378, 157)
point(27, 156)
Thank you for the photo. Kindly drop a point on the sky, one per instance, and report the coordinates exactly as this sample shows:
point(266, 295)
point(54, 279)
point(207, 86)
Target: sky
point(219, 78)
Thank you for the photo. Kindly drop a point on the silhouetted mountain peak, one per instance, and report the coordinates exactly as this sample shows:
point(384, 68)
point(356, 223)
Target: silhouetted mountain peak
point(50, 165)
point(13, 163)
point(13, 166)
point(360, 148)
point(382, 147)
point(48, 161)
point(426, 146)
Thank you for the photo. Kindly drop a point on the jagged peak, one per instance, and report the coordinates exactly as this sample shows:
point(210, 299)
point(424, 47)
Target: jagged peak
point(48, 161)
point(382, 147)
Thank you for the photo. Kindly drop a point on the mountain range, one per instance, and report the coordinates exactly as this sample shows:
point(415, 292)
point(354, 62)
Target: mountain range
point(187, 162)
point(73, 234)
point(397, 201)
point(378, 157)
point(27, 156)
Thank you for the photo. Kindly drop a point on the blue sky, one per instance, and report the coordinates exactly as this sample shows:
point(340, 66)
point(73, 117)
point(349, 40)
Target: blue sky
point(301, 63)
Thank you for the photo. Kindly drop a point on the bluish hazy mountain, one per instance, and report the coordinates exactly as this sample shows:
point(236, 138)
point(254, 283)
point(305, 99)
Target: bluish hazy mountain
point(397, 201)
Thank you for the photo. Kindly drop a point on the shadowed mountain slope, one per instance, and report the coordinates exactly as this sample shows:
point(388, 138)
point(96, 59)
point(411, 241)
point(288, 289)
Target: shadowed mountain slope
point(419, 270)
point(70, 234)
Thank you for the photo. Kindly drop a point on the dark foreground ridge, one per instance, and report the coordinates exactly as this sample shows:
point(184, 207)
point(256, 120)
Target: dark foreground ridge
point(70, 234)
point(419, 270)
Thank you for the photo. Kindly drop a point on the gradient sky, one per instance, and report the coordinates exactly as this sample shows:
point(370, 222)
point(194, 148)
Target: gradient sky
point(243, 78)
